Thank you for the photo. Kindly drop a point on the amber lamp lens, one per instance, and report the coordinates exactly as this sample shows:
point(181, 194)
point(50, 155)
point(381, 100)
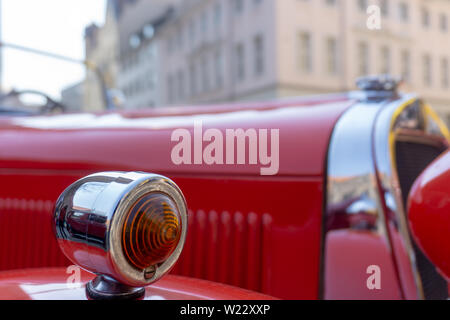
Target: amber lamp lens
point(151, 231)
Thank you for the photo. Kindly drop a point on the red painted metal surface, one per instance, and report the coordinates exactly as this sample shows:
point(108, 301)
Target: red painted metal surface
point(258, 240)
point(261, 233)
point(429, 213)
point(364, 250)
point(89, 142)
point(26, 208)
point(52, 284)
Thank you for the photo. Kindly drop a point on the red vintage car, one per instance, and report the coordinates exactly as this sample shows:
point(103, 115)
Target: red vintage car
point(296, 199)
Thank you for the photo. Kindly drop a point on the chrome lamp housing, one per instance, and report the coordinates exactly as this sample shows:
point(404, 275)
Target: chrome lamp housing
point(90, 220)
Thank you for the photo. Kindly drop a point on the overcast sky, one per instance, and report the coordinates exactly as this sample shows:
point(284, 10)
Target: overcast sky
point(52, 25)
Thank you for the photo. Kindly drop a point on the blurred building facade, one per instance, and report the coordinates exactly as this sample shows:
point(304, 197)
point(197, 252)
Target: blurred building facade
point(1, 52)
point(139, 49)
point(209, 51)
point(72, 97)
point(264, 49)
point(102, 52)
point(220, 50)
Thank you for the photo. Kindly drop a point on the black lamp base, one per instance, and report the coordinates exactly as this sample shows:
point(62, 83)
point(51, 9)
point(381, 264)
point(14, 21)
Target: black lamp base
point(105, 288)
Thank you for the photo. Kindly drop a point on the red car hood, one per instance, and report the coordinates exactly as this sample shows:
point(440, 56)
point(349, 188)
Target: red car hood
point(51, 284)
point(142, 140)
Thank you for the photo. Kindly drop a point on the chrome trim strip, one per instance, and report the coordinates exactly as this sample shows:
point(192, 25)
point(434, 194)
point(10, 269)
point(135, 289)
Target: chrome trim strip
point(352, 200)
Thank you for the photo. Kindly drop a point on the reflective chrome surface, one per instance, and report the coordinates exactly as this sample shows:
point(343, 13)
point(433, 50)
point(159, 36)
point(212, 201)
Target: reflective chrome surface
point(379, 87)
point(353, 204)
point(406, 120)
point(89, 218)
point(364, 197)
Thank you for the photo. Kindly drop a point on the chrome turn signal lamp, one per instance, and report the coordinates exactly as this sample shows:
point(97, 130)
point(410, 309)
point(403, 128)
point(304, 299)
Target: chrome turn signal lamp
point(128, 228)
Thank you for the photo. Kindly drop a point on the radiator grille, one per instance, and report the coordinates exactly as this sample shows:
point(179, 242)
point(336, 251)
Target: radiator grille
point(221, 247)
point(412, 159)
point(26, 235)
point(225, 247)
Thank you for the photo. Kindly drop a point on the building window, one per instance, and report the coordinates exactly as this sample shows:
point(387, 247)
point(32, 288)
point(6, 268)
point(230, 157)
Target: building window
point(385, 55)
point(406, 65)
point(192, 32)
point(258, 47)
point(180, 39)
point(332, 55)
point(363, 5)
point(204, 25)
point(218, 66)
point(193, 79)
point(240, 62)
point(443, 22)
point(363, 59)
point(238, 6)
point(137, 85)
point(384, 6)
point(205, 74)
point(445, 73)
point(425, 17)
point(170, 44)
point(151, 80)
point(170, 89)
point(180, 86)
point(403, 11)
point(330, 2)
point(305, 52)
point(151, 52)
point(427, 70)
point(217, 16)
